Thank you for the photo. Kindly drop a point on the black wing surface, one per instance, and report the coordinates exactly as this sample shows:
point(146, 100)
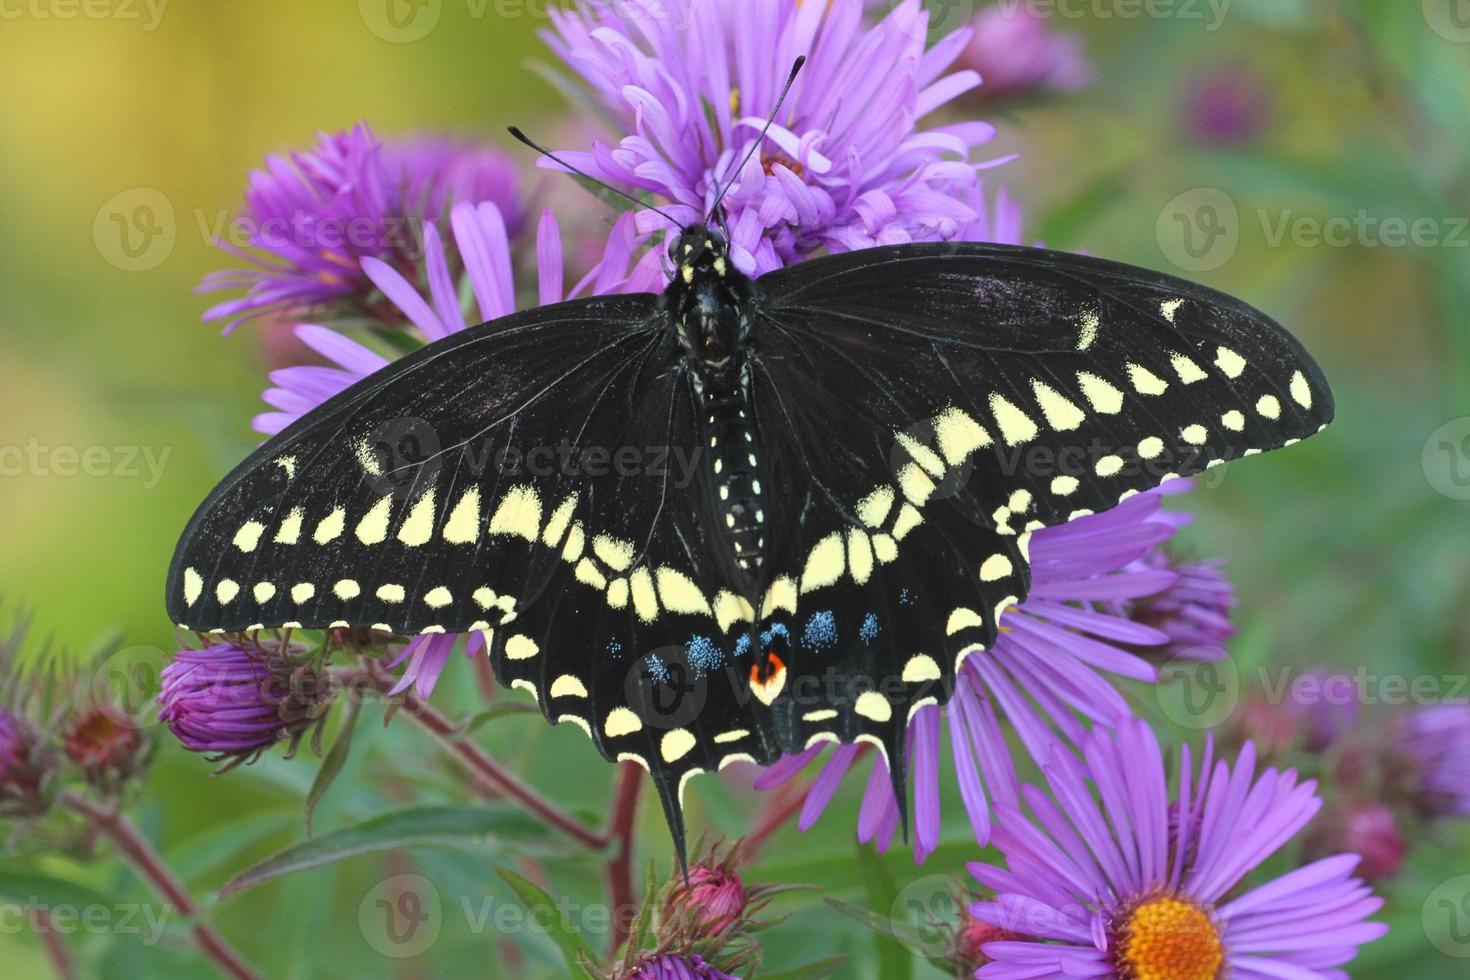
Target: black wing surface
point(925, 408)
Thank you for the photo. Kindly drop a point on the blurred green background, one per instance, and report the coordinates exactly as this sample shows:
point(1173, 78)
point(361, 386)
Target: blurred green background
point(1350, 551)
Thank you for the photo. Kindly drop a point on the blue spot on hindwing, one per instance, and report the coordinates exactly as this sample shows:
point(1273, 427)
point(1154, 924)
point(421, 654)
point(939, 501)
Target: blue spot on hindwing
point(820, 632)
point(868, 632)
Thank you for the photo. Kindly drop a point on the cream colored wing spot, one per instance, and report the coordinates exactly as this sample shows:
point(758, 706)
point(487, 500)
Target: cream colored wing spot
point(615, 553)
point(645, 598)
point(567, 686)
point(885, 548)
point(518, 515)
point(821, 714)
point(676, 744)
point(734, 735)
point(678, 593)
point(620, 722)
point(859, 556)
point(1144, 381)
point(1109, 466)
point(1100, 394)
point(418, 527)
point(767, 691)
point(226, 591)
point(921, 668)
point(373, 528)
point(1060, 414)
point(391, 593)
point(1195, 435)
point(288, 465)
point(958, 435)
point(731, 609)
point(346, 589)
point(1269, 406)
point(302, 592)
point(962, 619)
point(1087, 331)
point(463, 526)
point(193, 586)
point(588, 574)
point(995, 568)
point(873, 706)
point(617, 593)
point(1064, 486)
point(1188, 371)
point(576, 544)
point(578, 721)
point(1016, 427)
point(1151, 448)
point(1301, 392)
point(915, 484)
point(249, 536)
point(1233, 420)
point(330, 527)
point(873, 509)
point(1170, 308)
point(263, 592)
point(921, 454)
point(825, 563)
point(1231, 364)
point(290, 530)
point(560, 520)
point(521, 647)
point(908, 519)
point(521, 684)
point(438, 597)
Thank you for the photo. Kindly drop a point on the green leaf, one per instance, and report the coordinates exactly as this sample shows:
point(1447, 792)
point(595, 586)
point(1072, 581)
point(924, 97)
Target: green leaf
point(332, 764)
point(24, 888)
point(506, 710)
point(412, 827)
point(811, 971)
point(561, 932)
point(894, 961)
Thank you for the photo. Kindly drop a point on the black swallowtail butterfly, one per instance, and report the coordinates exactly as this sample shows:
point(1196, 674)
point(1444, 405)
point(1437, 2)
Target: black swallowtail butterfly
point(727, 521)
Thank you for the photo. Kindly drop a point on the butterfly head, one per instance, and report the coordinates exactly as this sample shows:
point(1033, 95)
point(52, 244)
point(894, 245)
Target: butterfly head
point(700, 252)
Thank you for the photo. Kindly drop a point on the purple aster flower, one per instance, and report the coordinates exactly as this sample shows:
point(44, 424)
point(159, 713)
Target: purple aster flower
point(311, 218)
point(1368, 828)
point(234, 702)
point(1194, 612)
point(24, 766)
point(482, 245)
point(1016, 52)
point(1226, 106)
point(1111, 875)
point(845, 167)
point(667, 966)
point(1434, 746)
point(1049, 665)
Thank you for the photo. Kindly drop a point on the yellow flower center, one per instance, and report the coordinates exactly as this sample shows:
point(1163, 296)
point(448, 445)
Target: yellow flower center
point(1169, 939)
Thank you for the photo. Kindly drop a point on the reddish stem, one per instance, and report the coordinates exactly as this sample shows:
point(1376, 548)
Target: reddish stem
point(620, 866)
point(56, 949)
point(786, 804)
point(135, 847)
point(486, 771)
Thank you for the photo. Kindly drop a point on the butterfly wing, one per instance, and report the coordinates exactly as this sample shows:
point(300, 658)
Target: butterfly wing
point(535, 479)
point(925, 408)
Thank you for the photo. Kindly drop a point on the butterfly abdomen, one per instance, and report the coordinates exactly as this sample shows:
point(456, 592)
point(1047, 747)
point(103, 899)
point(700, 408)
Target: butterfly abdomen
point(733, 462)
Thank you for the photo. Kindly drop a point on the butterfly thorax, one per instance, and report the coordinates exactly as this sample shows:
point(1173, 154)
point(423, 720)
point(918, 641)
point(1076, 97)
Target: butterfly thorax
point(709, 298)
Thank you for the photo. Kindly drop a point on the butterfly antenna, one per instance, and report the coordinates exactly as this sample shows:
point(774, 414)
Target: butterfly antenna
point(791, 80)
point(514, 131)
